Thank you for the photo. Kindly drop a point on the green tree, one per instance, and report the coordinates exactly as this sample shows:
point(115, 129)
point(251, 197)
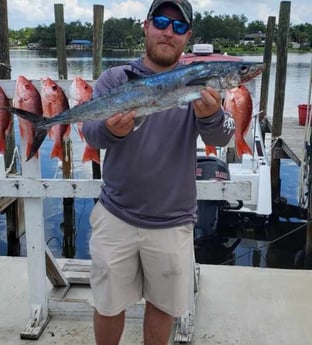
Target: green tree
point(45, 35)
point(117, 33)
point(256, 26)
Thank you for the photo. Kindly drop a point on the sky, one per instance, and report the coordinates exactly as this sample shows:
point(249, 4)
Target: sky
point(31, 13)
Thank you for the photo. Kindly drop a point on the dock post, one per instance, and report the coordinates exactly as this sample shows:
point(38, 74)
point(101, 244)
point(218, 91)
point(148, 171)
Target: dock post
point(267, 58)
point(98, 32)
point(60, 40)
point(280, 83)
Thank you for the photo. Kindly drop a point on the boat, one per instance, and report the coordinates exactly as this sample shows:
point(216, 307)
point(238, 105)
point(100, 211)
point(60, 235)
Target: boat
point(246, 181)
point(205, 52)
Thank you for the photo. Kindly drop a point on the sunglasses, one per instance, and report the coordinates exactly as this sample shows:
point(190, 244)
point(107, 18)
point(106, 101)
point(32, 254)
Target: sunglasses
point(162, 22)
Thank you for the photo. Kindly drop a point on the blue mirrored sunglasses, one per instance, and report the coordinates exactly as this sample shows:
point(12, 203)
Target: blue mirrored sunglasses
point(162, 22)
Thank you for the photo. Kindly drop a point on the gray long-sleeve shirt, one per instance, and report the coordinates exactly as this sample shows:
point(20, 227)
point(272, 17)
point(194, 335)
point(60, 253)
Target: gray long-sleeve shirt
point(149, 175)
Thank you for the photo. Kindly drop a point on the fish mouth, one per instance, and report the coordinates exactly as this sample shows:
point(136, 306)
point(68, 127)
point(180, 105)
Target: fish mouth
point(253, 72)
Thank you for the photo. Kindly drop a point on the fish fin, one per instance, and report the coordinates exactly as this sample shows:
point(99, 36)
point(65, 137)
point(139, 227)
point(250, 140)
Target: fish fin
point(40, 134)
point(202, 81)
point(57, 150)
point(242, 147)
point(138, 122)
point(210, 150)
point(2, 145)
point(28, 151)
point(132, 75)
point(91, 154)
point(9, 128)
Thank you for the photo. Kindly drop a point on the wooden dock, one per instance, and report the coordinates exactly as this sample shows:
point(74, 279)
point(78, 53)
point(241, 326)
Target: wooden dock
point(293, 136)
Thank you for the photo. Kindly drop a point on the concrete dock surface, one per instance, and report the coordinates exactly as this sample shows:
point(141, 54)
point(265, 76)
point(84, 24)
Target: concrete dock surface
point(236, 306)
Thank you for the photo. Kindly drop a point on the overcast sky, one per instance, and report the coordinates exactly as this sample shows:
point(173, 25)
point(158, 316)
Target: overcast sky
point(31, 13)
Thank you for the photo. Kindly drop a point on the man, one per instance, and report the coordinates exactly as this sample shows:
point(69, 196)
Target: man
point(142, 227)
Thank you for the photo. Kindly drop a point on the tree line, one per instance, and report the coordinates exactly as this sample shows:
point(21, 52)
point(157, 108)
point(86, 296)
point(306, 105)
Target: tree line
point(127, 33)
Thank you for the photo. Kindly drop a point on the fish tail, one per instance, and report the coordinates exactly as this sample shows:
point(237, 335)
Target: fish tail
point(242, 147)
point(57, 150)
point(29, 152)
point(27, 115)
point(210, 150)
point(91, 154)
point(40, 134)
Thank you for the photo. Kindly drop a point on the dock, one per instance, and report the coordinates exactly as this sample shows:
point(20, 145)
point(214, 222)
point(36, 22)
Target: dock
point(235, 305)
point(293, 135)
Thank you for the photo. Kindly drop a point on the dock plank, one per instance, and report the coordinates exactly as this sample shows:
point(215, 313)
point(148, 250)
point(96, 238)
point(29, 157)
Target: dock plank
point(293, 135)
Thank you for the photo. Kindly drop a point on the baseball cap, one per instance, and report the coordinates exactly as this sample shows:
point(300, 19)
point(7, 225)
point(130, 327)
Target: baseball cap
point(184, 6)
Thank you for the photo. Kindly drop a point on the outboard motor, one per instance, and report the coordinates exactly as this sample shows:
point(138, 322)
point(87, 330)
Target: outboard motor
point(208, 168)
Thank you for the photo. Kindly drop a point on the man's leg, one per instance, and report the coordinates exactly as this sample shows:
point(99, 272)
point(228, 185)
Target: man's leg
point(157, 326)
point(108, 329)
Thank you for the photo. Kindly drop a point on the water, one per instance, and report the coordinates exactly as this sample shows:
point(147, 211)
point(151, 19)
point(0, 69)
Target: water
point(254, 249)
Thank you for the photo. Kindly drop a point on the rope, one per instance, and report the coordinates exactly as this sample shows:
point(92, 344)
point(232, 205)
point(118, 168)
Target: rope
point(17, 155)
point(6, 66)
point(268, 244)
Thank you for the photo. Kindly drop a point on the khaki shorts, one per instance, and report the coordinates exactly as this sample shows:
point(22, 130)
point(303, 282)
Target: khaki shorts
point(131, 263)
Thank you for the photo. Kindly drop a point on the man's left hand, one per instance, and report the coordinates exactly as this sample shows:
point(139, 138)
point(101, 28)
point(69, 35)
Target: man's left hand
point(208, 104)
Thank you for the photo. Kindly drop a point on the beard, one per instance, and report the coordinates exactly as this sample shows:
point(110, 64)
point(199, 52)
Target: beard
point(164, 56)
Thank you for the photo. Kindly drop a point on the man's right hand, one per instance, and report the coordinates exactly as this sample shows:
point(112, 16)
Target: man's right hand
point(121, 124)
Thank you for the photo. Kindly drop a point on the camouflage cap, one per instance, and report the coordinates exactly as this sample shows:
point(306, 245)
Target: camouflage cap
point(184, 6)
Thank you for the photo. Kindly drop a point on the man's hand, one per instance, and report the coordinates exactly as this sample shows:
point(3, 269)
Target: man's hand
point(208, 104)
point(119, 124)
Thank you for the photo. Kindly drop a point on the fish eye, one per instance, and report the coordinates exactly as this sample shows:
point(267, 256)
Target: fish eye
point(244, 70)
point(54, 87)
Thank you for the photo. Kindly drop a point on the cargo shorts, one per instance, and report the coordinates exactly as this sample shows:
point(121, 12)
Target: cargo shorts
point(130, 263)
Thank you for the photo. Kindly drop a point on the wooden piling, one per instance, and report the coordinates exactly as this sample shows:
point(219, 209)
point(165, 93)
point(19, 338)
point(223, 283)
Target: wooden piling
point(5, 68)
point(60, 40)
point(280, 83)
point(98, 32)
point(69, 227)
point(68, 203)
point(308, 246)
point(13, 243)
point(267, 58)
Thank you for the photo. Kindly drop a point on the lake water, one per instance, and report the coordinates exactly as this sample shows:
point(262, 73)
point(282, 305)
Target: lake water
point(255, 247)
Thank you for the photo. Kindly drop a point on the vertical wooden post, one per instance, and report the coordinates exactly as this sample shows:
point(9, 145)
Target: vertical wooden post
point(280, 82)
point(98, 31)
point(308, 246)
point(69, 247)
point(60, 40)
point(267, 58)
point(5, 69)
point(13, 248)
point(68, 203)
point(98, 27)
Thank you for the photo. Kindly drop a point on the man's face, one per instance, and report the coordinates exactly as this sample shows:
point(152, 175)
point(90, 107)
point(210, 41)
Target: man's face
point(164, 47)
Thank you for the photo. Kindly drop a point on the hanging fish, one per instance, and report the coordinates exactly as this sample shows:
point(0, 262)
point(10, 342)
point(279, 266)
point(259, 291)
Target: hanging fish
point(5, 119)
point(80, 91)
point(28, 98)
point(238, 102)
point(54, 101)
